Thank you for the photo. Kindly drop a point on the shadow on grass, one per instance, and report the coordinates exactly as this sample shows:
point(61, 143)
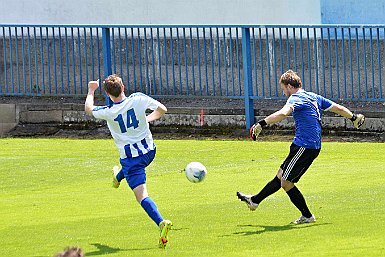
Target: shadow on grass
point(260, 229)
point(105, 249)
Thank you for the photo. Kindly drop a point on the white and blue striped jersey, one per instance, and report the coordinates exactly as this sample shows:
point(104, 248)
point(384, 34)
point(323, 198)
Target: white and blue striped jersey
point(307, 113)
point(127, 123)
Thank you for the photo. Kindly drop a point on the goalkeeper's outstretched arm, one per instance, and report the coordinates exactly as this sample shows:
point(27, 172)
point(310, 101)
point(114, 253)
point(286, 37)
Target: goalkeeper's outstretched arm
point(357, 119)
point(341, 110)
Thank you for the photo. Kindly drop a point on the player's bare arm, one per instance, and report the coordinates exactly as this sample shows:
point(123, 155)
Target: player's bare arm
point(357, 119)
point(341, 110)
point(89, 104)
point(156, 114)
point(278, 116)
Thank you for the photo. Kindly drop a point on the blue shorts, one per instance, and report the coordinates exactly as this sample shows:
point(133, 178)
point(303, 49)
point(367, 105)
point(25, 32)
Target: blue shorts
point(134, 168)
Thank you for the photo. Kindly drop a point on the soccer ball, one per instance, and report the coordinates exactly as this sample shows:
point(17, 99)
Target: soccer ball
point(195, 172)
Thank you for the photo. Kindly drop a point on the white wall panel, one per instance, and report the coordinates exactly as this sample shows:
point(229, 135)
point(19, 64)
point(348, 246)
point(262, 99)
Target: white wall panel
point(160, 12)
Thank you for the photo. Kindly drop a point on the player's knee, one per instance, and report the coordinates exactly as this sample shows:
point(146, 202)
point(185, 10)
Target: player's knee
point(279, 173)
point(140, 192)
point(140, 198)
point(286, 185)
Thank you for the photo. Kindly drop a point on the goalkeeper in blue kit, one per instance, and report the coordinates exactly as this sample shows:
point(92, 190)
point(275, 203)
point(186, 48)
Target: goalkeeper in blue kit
point(129, 126)
point(306, 108)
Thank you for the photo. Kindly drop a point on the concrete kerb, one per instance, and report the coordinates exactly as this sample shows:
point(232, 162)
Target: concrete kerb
point(34, 119)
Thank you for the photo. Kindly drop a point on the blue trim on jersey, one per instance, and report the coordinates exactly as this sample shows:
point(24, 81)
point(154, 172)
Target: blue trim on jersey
point(120, 101)
point(127, 150)
point(98, 108)
point(144, 143)
point(136, 94)
point(140, 153)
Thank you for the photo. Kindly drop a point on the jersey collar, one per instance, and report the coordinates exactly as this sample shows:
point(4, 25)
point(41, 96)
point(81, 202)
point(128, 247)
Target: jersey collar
point(120, 101)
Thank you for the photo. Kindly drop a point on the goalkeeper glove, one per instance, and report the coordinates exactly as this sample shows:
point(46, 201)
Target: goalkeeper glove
point(358, 120)
point(256, 129)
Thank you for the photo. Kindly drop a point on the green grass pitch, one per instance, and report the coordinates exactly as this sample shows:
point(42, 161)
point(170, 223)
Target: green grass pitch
point(57, 193)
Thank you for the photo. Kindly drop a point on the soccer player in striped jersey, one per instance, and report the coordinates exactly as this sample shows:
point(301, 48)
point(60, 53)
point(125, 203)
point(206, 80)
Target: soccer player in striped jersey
point(129, 126)
point(306, 108)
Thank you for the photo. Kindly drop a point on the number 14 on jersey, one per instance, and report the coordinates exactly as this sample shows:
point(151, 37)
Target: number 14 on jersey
point(132, 121)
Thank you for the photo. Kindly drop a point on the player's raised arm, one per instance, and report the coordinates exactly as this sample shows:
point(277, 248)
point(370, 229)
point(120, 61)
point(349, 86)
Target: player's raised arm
point(89, 104)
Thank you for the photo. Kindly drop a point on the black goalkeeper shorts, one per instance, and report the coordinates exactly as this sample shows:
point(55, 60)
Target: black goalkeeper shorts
point(297, 162)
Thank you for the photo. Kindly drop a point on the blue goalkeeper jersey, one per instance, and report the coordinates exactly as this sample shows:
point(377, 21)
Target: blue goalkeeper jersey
point(307, 113)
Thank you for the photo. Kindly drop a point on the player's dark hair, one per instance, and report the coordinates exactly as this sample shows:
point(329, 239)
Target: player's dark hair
point(71, 252)
point(113, 85)
point(291, 77)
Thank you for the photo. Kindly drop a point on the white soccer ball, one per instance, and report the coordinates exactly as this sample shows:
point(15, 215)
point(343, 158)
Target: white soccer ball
point(195, 172)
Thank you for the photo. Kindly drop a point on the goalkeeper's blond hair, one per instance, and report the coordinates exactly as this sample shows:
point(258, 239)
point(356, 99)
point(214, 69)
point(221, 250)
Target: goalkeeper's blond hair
point(292, 78)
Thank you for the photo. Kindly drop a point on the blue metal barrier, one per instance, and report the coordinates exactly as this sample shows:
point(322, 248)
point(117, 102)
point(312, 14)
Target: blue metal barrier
point(234, 61)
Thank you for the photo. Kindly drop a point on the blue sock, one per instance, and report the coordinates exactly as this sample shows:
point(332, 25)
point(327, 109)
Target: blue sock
point(120, 176)
point(150, 207)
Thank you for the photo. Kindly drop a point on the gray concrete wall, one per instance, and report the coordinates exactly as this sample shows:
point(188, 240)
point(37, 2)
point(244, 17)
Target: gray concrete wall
point(36, 119)
point(8, 118)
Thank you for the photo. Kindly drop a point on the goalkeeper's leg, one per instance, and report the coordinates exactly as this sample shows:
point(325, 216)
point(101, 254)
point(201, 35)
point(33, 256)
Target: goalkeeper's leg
point(292, 169)
point(252, 201)
point(298, 200)
point(271, 187)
